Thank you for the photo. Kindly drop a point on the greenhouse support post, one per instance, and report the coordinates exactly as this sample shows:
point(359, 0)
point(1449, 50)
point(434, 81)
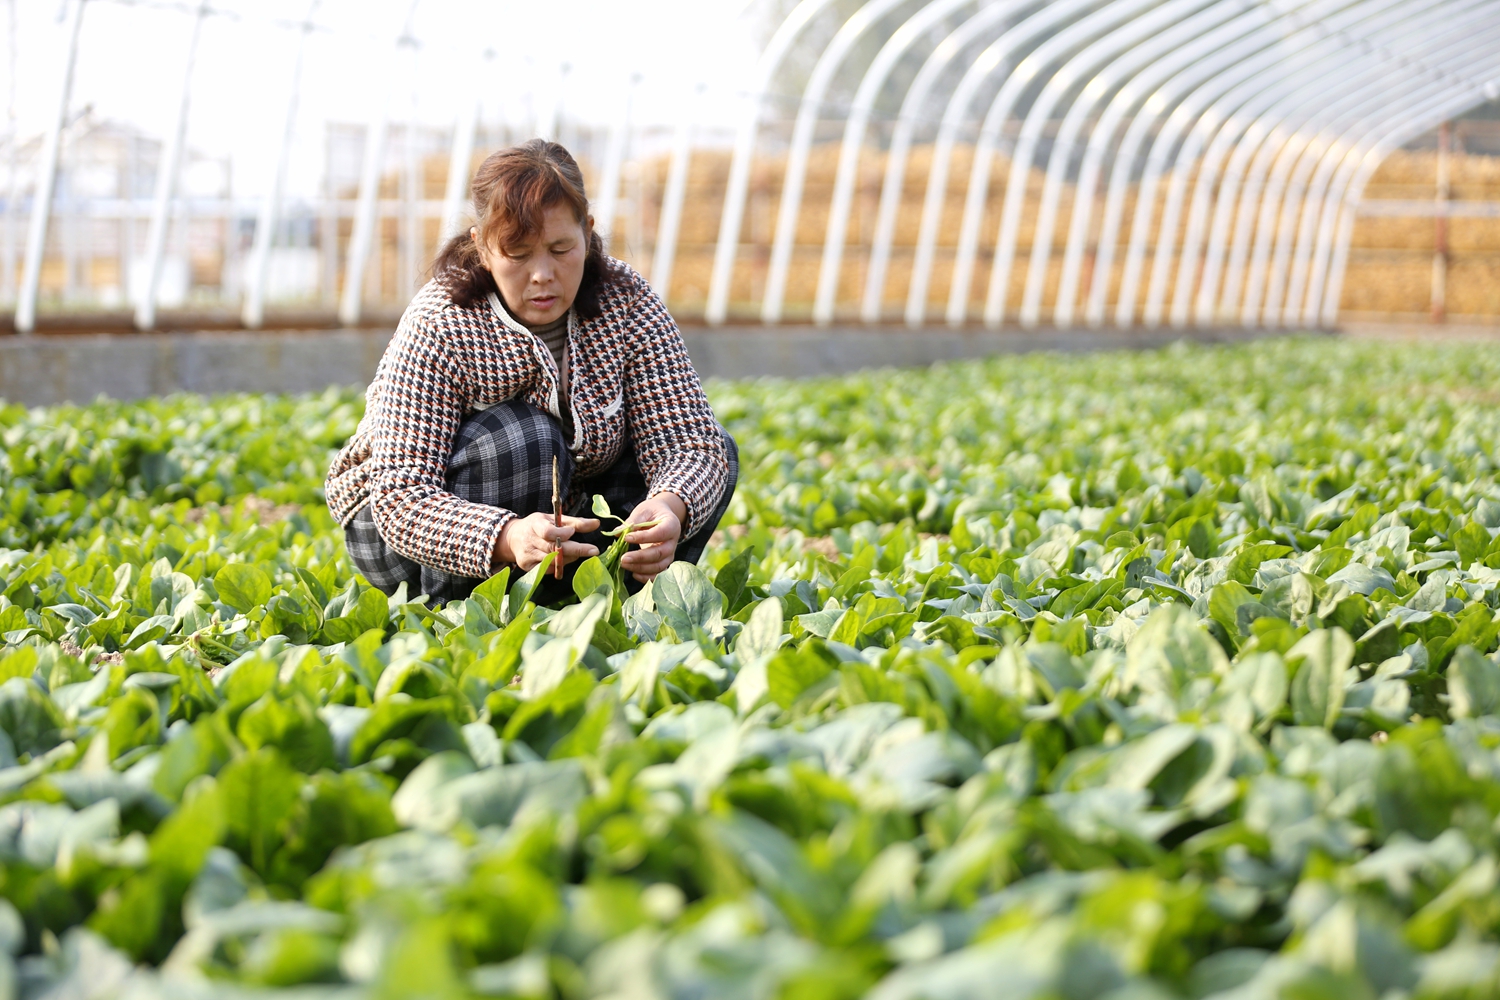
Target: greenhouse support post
point(976, 28)
point(737, 189)
point(253, 314)
point(166, 183)
point(41, 204)
point(1440, 227)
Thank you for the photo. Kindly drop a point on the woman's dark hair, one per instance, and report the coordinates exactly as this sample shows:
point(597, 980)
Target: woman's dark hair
point(513, 188)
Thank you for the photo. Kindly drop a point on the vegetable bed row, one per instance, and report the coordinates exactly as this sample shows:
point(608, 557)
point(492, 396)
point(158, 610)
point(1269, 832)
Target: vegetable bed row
point(1150, 675)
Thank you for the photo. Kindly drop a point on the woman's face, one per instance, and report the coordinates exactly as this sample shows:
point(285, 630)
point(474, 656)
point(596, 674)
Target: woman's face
point(539, 282)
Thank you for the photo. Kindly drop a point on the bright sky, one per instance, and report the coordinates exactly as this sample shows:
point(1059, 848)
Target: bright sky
point(133, 54)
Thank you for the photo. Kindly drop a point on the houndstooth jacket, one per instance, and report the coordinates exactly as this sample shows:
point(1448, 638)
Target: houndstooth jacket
point(630, 379)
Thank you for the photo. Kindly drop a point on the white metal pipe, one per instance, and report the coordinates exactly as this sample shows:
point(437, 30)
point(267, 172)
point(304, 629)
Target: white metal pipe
point(1242, 185)
point(46, 180)
point(1326, 72)
point(1320, 54)
point(738, 188)
point(1278, 166)
point(1234, 147)
point(461, 158)
point(854, 136)
point(1259, 197)
point(1052, 20)
point(673, 196)
point(1197, 109)
point(1272, 169)
point(1247, 169)
point(790, 207)
point(362, 231)
point(367, 204)
point(166, 183)
point(1303, 206)
point(1204, 123)
point(1311, 210)
point(614, 158)
point(1349, 148)
point(1182, 40)
point(1336, 225)
point(253, 312)
point(1131, 33)
point(13, 167)
point(1292, 192)
point(907, 119)
point(460, 166)
point(1201, 115)
point(1058, 33)
point(1060, 29)
point(410, 237)
point(1153, 94)
point(1332, 288)
point(1336, 55)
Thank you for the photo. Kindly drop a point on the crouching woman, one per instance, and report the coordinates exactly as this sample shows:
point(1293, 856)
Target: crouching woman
point(528, 344)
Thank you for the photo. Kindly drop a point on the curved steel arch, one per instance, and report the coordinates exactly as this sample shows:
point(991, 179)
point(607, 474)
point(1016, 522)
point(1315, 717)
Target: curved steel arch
point(790, 206)
point(1151, 90)
point(167, 171)
point(1232, 148)
point(367, 206)
point(941, 57)
point(1216, 24)
point(46, 181)
point(1275, 170)
point(738, 188)
point(1162, 89)
point(1325, 61)
point(997, 54)
point(1200, 115)
point(1316, 69)
point(252, 312)
point(854, 136)
point(1026, 71)
point(1271, 169)
point(614, 160)
point(1257, 118)
point(1340, 233)
point(1297, 120)
point(1290, 277)
point(1252, 125)
point(1194, 112)
point(673, 196)
point(1132, 33)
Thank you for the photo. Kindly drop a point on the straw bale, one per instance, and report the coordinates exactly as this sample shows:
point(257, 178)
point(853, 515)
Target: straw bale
point(1474, 286)
point(1387, 285)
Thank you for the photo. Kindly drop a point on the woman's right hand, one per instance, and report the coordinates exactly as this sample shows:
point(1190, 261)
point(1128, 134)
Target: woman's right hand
point(525, 541)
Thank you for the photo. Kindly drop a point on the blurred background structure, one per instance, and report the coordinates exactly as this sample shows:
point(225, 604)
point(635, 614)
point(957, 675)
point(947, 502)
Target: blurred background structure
point(187, 164)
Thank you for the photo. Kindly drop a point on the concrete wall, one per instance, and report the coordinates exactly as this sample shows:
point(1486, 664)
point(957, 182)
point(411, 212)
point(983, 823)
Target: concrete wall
point(797, 352)
point(43, 370)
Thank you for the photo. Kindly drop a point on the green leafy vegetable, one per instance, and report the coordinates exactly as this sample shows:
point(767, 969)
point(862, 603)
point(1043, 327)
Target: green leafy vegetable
point(1166, 674)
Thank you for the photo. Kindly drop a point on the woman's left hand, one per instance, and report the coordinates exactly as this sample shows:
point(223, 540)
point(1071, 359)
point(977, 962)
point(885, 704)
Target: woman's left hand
point(658, 545)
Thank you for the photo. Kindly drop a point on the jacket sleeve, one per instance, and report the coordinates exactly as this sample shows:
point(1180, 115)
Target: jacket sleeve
point(412, 424)
point(677, 440)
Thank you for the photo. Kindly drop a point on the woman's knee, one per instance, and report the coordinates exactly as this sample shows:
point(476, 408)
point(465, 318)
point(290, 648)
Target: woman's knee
point(502, 455)
point(513, 425)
